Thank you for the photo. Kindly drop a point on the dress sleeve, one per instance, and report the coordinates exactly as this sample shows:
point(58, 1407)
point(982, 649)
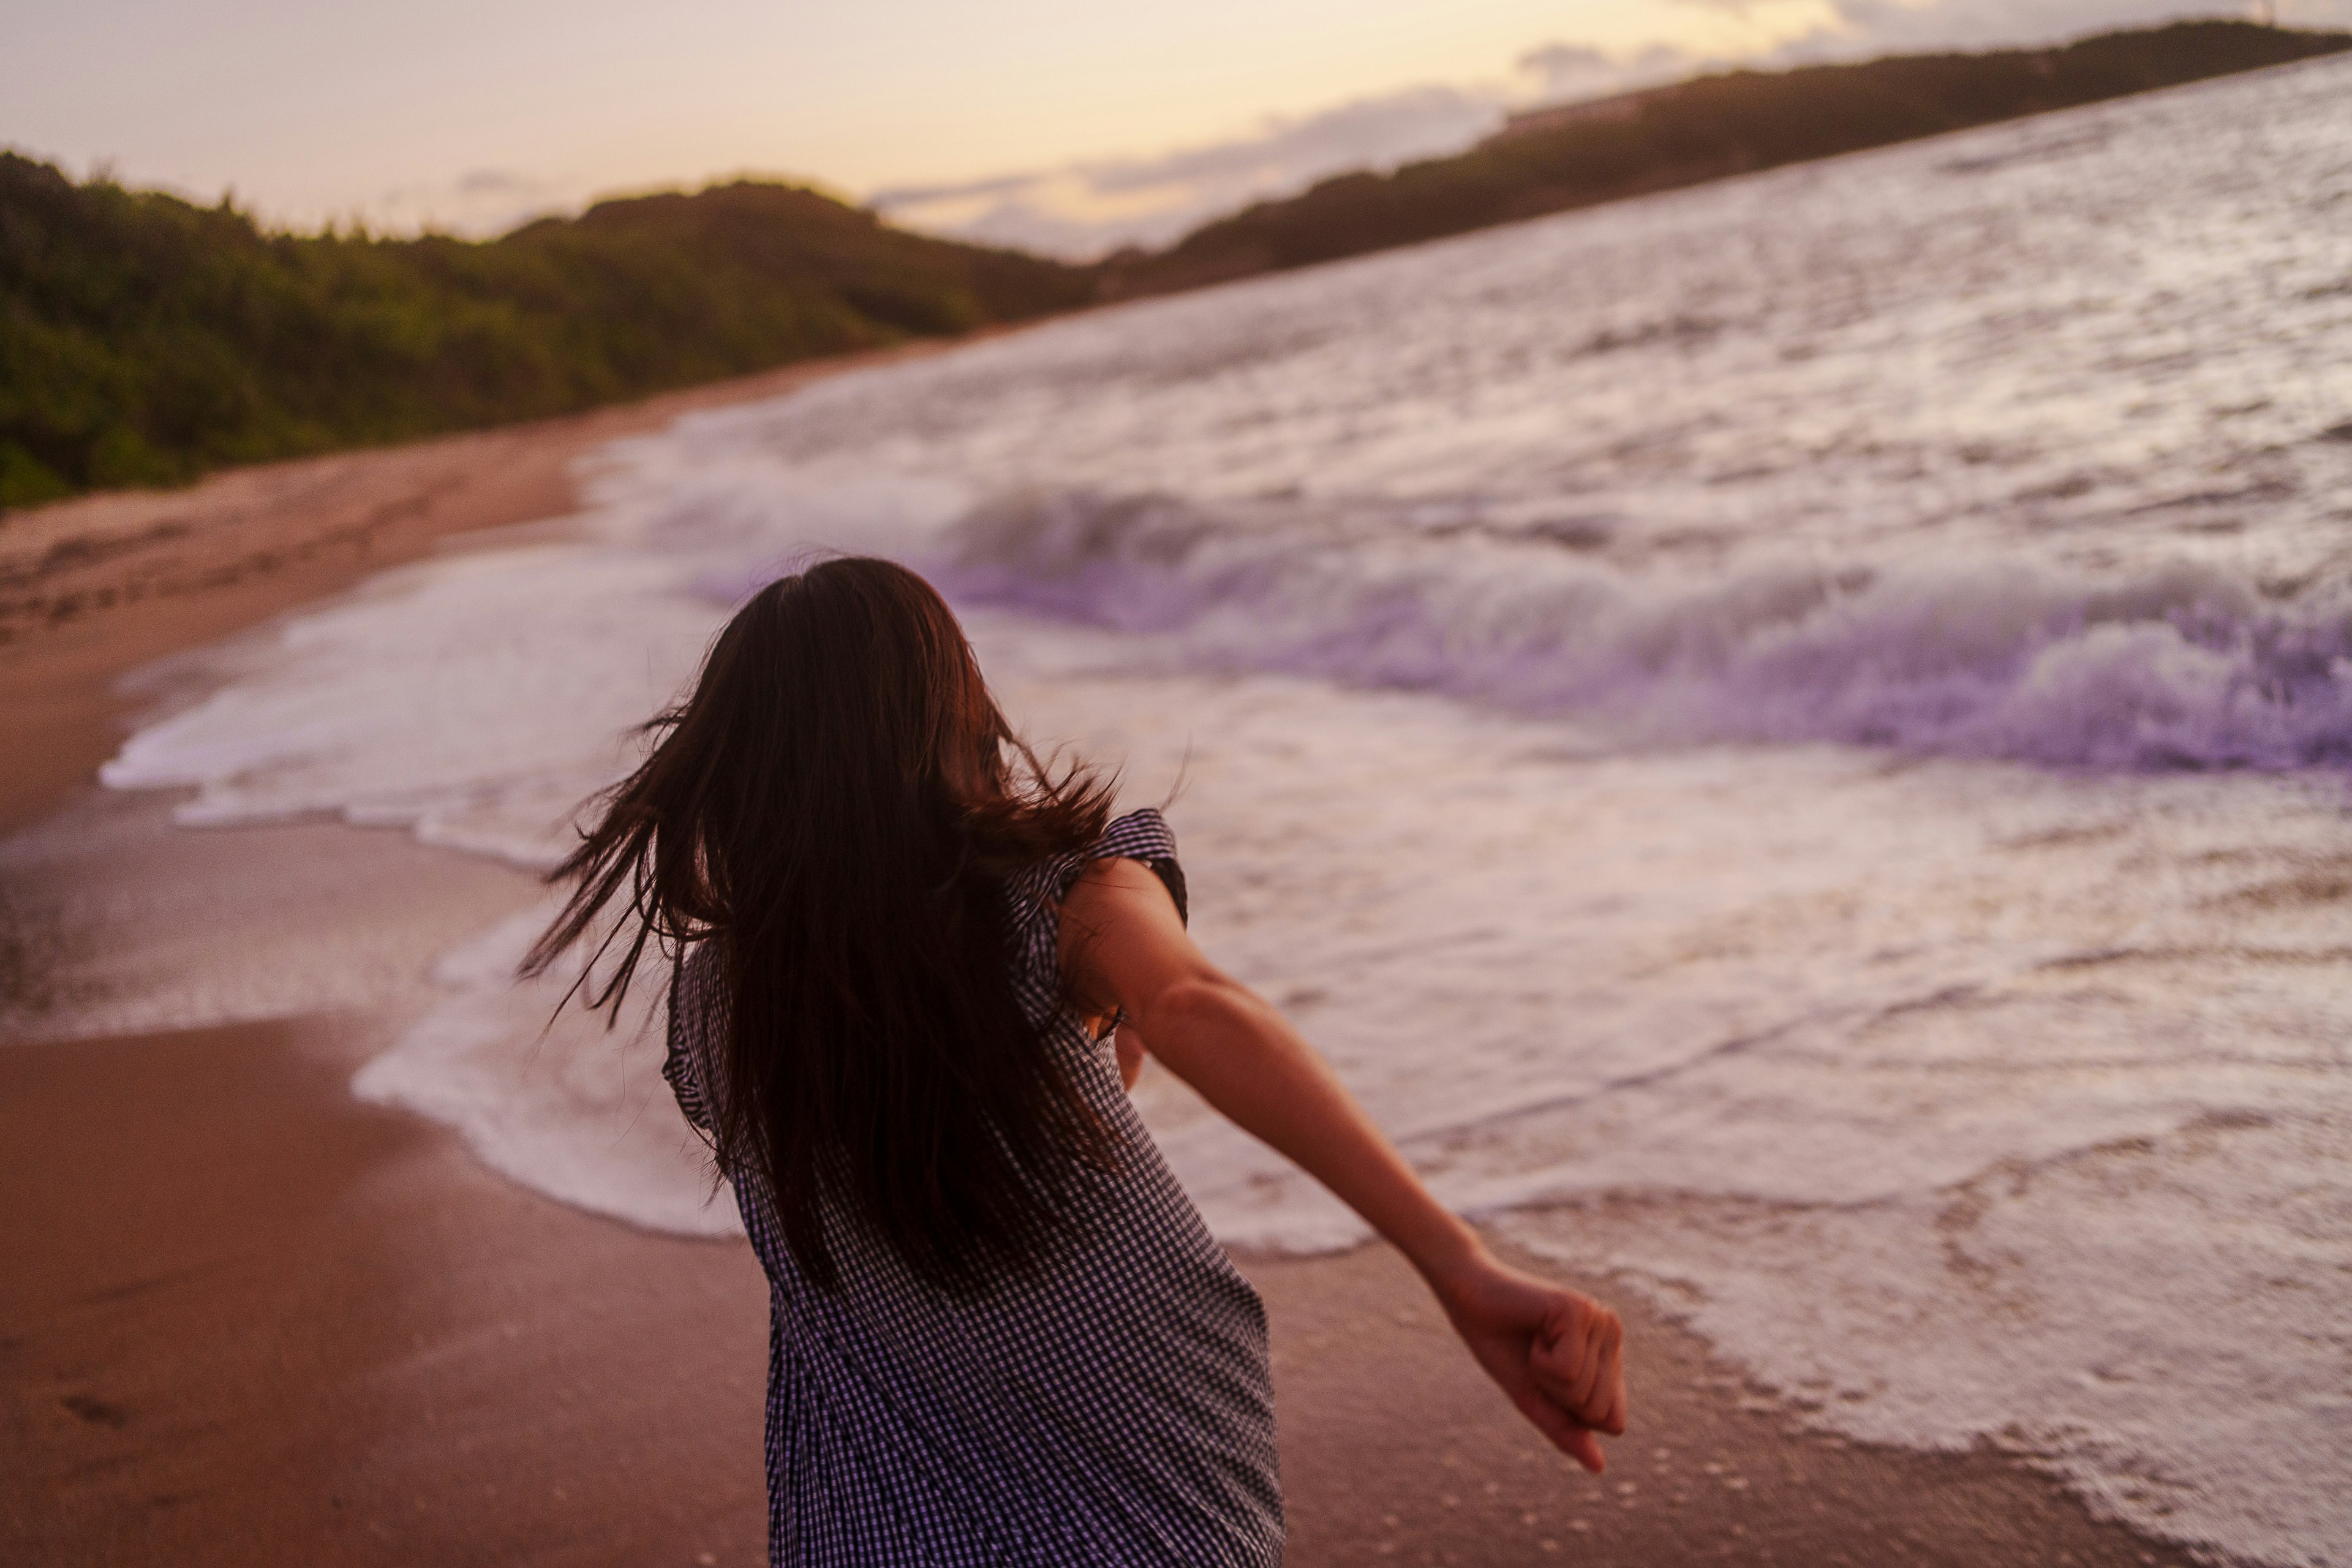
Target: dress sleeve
point(1138, 836)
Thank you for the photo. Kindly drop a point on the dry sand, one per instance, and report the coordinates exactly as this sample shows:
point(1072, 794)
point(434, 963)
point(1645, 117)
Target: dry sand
point(247, 1320)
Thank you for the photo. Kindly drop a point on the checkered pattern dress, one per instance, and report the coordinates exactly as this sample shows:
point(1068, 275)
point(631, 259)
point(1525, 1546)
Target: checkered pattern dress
point(1113, 1411)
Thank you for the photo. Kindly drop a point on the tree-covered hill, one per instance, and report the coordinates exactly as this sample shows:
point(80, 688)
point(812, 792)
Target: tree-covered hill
point(145, 340)
point(1697, 131)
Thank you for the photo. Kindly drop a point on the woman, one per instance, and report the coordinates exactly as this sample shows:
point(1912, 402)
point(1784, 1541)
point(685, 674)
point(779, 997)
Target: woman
point(915, 974)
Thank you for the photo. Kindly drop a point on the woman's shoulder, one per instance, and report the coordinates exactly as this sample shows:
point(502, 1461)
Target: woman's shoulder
point(1141, 835)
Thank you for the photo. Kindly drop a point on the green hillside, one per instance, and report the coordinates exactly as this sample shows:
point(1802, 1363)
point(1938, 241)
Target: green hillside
point(1698, 131)
point(145, 340)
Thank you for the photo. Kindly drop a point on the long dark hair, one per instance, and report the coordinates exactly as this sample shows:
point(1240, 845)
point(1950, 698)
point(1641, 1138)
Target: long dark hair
point(837, 807)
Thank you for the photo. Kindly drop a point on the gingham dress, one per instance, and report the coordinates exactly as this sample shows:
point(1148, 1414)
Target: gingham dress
point(1113, 1411)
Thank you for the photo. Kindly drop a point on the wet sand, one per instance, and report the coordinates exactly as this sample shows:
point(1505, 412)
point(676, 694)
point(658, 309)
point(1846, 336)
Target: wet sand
point(245, 1319)
point(248, 1320)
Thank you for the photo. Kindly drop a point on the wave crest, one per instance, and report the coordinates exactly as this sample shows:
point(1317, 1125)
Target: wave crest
point(2180, 666)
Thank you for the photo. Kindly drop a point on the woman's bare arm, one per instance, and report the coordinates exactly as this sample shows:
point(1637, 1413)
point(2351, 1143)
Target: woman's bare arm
point(1557, 1353)
point(1129, 1042)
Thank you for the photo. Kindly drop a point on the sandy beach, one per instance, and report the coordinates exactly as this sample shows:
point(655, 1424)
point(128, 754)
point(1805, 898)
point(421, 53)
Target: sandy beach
point(247, 1319)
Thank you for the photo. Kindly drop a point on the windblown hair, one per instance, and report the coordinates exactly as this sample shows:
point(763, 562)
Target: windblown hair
point(836, 808)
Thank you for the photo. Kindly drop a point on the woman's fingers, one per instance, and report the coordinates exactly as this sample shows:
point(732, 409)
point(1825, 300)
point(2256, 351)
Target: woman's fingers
point(1588, 1376)
point(1601, 1381)
point(1557, 1354)
point(1580, 1364)
point(1610, 1415)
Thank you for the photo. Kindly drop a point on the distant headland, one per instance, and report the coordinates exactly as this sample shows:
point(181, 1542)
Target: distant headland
point(1581, 154)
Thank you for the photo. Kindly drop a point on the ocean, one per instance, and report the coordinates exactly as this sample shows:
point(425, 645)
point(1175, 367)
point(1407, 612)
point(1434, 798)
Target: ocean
point(1791, 739)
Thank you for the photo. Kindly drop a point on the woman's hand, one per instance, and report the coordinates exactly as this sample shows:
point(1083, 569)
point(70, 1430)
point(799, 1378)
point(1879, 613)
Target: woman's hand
point(1557, 1354)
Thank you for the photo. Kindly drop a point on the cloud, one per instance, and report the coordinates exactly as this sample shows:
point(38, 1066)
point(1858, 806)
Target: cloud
point(494, 182)
point(1562, 73)
point(478, 203)
point(1089, 208)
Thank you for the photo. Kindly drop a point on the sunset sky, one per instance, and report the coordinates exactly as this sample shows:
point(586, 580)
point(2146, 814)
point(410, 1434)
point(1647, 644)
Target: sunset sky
point(1069, 124)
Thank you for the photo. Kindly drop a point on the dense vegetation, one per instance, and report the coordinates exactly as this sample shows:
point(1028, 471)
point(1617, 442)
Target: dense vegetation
point(145, 340)
point(1702, 129)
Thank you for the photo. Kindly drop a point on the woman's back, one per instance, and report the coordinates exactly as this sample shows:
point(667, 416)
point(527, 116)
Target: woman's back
point(1001, 1334)
point(1109, 1404)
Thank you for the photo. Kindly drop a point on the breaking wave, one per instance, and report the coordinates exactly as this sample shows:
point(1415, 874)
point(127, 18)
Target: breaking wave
point(2180, 666)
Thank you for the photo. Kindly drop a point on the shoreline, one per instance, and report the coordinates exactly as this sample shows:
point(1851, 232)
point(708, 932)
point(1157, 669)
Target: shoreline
point(244, 1316)
point(94, 587)
point(241, 1306)
point(346, 1340)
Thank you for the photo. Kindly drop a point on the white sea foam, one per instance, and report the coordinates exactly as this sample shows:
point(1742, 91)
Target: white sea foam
point(1620, 660)
point(2179, 663)
point(560, 1102)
